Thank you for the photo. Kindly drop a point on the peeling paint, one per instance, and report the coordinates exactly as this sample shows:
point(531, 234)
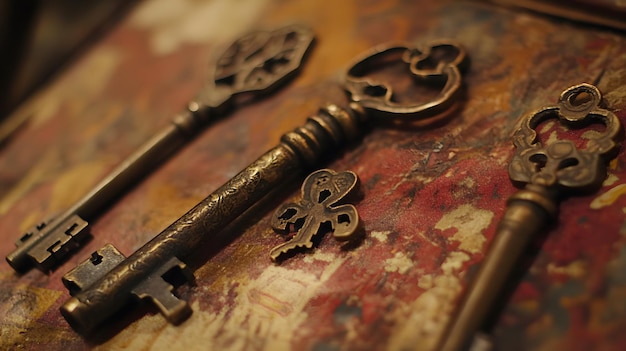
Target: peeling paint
point(398, 263)
point(608, 198)
point(470, 223)
point(380, 235)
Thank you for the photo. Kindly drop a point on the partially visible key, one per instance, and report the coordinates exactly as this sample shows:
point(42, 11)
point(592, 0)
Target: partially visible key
point(98, 291)
point(254, 65)
point(550, 173)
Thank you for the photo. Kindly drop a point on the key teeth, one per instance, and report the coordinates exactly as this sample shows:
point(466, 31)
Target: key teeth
point(155, 288)
point(284, 249)
point(47, 243)
point(92, 269)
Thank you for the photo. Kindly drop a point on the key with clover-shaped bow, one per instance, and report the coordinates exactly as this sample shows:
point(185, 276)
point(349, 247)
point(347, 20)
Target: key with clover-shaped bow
point(321, 191)
point(253, 65)
point(550, 173)
point(107, 281)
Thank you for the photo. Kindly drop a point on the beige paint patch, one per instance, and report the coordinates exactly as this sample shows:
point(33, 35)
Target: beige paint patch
point(552, 138)
point(577, 269)
point(608, 198)
point(319, 256)
point(175, 23)
point(267, 313)
point(470, 223)
point(398, 263)
point(422, 321)
point(380, 236)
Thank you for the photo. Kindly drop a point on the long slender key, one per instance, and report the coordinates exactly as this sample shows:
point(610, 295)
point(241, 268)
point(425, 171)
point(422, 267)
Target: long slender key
point(252, 66)
point(100, 292)
point(550, 173)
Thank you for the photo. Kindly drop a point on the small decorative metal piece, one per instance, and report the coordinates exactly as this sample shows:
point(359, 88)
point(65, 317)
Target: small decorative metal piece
point(252, 66)
point(321, 192)
point(549, 172)
point(298, 151)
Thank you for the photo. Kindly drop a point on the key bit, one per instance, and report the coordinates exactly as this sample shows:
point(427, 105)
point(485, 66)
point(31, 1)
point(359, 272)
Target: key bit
point(321, 192)
point(252, 66)
point(298, 151)
point(549, 173)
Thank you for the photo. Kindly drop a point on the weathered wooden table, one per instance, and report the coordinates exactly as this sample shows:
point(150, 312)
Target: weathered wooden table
point(431, 196)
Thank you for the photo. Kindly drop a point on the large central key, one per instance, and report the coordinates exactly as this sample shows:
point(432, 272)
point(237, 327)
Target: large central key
point(252, 66)
point(550, 173)
point(107, 281)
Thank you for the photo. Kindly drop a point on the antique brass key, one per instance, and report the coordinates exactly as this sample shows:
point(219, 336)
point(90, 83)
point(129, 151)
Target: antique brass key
point(550, 172)
point(99, 290)
point(252, 66)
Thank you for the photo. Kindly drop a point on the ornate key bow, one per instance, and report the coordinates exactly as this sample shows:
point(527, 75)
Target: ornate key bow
point(321, 191)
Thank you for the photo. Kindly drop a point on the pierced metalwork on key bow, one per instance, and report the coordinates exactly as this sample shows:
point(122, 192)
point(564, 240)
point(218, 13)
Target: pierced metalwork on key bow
point(321, 192)
point(562, 163)
point(257, 63)
point(434, 62)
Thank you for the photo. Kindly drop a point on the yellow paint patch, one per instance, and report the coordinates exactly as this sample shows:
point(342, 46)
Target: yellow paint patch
point(610, 180)
point(608, 198)
point(552, 138)
point(470, 223)
point(398, 263)
point(20, 308)
point(26, 303)
point(546, 127)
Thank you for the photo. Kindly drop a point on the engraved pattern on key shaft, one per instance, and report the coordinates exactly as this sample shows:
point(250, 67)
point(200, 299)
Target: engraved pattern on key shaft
point(298, 151)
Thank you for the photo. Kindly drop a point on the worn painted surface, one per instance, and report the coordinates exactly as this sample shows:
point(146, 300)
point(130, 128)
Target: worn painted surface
point(431, 195)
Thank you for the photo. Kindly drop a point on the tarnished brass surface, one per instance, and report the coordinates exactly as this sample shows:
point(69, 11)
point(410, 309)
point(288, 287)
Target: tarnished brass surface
point(321, 192)
point(550, 173)
point(298, 151)
point(253, 65)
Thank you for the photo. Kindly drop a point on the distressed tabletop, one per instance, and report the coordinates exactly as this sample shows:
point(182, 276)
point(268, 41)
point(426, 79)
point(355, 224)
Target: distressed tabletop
point(431, 200)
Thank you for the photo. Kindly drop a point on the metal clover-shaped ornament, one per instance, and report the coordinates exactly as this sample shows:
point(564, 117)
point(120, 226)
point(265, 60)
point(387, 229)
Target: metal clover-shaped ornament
point(318, 208)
